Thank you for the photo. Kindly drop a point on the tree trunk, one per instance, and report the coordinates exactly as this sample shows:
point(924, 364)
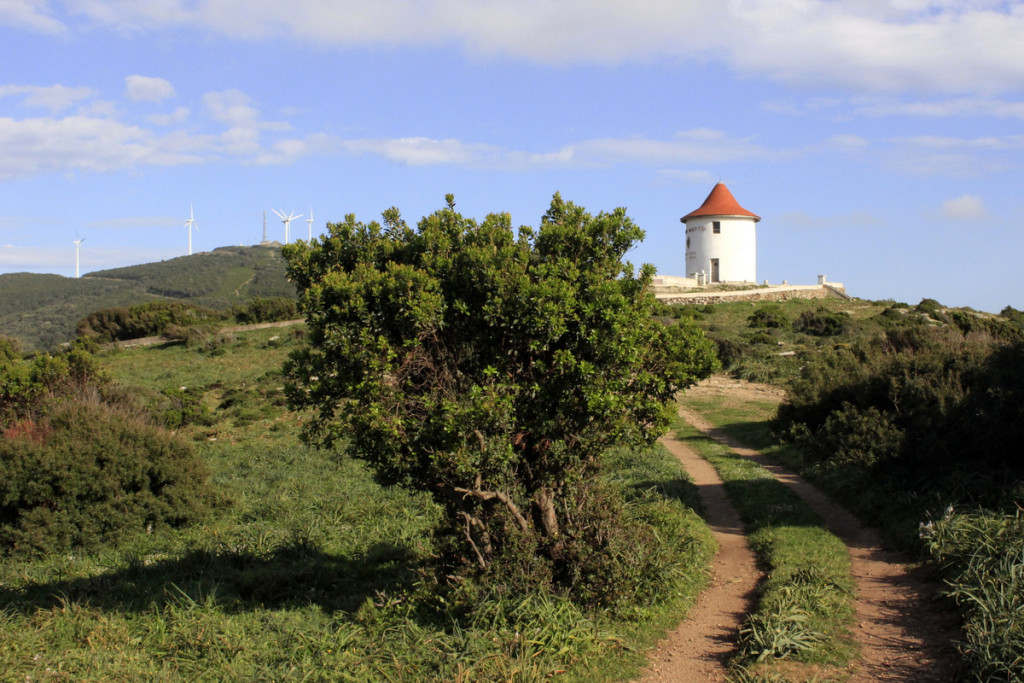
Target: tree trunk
point(544, 512)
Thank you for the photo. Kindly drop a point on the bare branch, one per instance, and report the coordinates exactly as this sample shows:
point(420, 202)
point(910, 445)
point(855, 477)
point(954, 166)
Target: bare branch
point(503, 498)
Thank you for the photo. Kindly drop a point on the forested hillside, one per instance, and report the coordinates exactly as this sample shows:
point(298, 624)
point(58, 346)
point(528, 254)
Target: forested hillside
point(41, 311)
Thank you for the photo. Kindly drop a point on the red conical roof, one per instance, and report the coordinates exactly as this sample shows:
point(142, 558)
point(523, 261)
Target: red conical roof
point(720, 203)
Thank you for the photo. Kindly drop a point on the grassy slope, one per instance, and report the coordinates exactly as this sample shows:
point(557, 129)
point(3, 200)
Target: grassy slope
point(43, 310)
point(307, 569)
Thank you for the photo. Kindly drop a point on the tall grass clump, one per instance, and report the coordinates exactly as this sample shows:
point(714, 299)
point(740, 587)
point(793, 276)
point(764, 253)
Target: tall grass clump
point(981, 556)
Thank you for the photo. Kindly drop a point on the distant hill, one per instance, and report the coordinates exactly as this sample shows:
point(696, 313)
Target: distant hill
point(43, 310)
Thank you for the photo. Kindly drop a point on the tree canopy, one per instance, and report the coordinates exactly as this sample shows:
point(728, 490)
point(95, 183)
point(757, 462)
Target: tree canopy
point(487, 365)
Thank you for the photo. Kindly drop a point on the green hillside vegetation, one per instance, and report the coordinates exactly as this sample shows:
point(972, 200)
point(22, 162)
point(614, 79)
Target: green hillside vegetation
point(304, 568)
point(215, 279)
point(912, 417)
point(42, 311)
point(772, 341)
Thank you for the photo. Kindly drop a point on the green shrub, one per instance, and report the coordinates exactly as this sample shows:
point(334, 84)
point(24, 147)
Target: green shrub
point(266, 309)
point(850, 443)
point(86, 474)
point(768, 315)
point(762, 337)
point(144, 320)
point(822, 322)
point(185, 407)
point(898, 316)
point(933, 309)
point(730, 351)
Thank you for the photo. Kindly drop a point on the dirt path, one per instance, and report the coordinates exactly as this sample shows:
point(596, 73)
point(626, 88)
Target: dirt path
point(696, 650)
point(903, 636)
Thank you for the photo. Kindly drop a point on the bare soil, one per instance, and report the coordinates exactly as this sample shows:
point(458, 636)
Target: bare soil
point(697, 649)
point(903, 633)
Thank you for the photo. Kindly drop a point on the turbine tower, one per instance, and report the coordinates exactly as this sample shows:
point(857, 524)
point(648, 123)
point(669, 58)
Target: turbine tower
point(191, 223)
point(78, 248)
point(287, 220)
point(310, 222)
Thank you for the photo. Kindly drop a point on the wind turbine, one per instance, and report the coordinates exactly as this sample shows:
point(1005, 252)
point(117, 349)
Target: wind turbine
point(78, 248)
point(287, 220)
point(310, 222)
point(191, 223)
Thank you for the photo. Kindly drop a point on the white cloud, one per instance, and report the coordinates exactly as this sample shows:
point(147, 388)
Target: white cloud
point(177, 117)
point(942, 46)
point(147, 89)
point(233, 108)
point(31, 15)
point(964, 207)
point(964, 106)
point(421, 151)
point(848, 141)
point(697, 146)
point(932, 155)
point(56, 98)
point(79, 143)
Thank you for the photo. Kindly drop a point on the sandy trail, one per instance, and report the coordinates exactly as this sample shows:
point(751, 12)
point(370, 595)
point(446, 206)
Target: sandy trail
point(903, 634)
point(697, 649)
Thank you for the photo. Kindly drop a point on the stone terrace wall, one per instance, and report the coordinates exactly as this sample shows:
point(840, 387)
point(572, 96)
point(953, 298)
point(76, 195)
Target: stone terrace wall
point(769, 293)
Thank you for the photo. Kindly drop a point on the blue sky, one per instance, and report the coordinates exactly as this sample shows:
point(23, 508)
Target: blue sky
point(881, 141)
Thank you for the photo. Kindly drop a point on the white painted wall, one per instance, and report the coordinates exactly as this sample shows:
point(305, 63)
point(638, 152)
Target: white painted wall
point(735, 248)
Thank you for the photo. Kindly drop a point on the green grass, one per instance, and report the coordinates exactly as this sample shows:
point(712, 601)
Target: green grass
point(308, 570)
point(804, 606)
point(981, 556)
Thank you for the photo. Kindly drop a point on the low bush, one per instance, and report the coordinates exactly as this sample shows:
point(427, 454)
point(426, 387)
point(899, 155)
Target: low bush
point(266, 309)
point(821, 322)
point(88, 473)
point(768, 315)
point(144, 320)
point(931, 308)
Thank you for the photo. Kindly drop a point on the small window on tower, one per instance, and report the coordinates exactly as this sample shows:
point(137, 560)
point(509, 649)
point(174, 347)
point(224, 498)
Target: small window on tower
point(716, 227)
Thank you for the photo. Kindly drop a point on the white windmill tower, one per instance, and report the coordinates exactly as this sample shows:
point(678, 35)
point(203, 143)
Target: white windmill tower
point(721, 239)
point(78, 248)
point(287, 220)
point(309, 221)
point(191, 223)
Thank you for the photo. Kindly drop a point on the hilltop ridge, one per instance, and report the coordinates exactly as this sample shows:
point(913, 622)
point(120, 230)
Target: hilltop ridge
point(42, 310)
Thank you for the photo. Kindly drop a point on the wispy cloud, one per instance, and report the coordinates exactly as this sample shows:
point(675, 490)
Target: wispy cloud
point(30, 15)
point(965, 207)
point(147, 89)
point(938, 46)
point(56, 98)
point(964, 106)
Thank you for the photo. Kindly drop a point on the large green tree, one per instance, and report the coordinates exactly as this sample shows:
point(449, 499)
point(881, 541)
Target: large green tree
point(488, 366)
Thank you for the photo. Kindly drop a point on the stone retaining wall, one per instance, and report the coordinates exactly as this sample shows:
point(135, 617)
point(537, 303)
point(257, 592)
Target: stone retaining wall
point(771, 293)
